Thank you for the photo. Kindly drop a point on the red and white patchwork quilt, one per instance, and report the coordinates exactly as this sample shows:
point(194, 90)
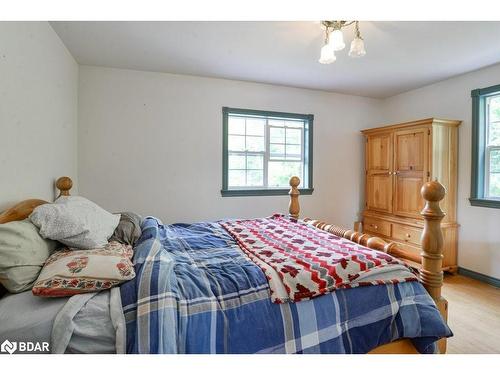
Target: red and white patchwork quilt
point(302, 262)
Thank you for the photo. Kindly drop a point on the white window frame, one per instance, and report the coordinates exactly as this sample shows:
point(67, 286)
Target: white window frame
point(488, 149)
point(487, 172)
point(265, 189)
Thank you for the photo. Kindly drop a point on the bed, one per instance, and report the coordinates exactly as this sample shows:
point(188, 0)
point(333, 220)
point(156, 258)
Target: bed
point(197, 291)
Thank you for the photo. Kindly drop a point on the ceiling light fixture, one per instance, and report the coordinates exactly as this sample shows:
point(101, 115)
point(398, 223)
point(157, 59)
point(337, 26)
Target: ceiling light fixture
point(334, 41)
point(327, 52)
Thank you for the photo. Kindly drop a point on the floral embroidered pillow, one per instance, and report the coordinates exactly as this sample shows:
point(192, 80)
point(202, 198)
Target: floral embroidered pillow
point(72, 271)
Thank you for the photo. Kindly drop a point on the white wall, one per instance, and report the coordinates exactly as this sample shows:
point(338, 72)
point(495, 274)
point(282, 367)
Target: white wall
point(38, 111)
point(152, 143)
point(479, 235)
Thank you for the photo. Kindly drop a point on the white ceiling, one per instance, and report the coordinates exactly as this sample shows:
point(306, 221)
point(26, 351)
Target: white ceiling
point(400, 55)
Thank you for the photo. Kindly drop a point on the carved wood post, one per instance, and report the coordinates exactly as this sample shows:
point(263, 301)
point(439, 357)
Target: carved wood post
point(294, 207)
point(64, 184)
point(432, 239)
point(431, 273)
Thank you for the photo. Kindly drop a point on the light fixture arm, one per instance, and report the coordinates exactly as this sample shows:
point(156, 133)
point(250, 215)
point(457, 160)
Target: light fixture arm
point(358, 33)
point(336, 25)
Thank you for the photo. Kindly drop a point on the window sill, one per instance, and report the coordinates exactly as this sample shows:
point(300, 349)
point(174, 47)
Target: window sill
point(481, 202)
point(261, 192)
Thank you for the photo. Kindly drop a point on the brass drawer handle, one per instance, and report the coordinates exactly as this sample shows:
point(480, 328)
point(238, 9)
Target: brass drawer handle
point(374, 226)
point(408, 235)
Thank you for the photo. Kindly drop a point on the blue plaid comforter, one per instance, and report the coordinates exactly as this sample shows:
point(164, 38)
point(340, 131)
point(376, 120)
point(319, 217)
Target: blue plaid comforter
point(196, 292)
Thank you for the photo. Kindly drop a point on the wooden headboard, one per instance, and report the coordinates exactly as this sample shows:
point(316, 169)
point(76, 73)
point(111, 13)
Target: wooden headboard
point(24, 208)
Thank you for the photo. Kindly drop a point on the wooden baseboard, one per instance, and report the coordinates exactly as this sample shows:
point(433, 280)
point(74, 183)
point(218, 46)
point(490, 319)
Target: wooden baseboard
point(479, 276)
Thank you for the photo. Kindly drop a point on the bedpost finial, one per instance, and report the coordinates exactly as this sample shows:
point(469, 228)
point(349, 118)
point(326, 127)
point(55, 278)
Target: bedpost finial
point(64, 184)
point(294, 207)
point(294, 181)
point(431, 273)
point(433, 191)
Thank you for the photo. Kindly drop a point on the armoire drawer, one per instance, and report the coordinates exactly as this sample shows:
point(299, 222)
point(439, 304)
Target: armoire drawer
point(377, 226)
point(406, 233)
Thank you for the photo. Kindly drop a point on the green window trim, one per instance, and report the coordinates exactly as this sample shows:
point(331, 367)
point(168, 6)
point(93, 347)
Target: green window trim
point(308, 156)
point(477, 196)
point(261, 192)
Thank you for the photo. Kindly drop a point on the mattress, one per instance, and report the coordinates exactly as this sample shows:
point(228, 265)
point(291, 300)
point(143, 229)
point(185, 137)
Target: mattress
point(27, 318)
point(78, 324)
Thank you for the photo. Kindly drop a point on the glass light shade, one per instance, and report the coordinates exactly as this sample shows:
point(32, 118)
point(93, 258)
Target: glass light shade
point(327, 55)
point(337, 40)
point(357, 48)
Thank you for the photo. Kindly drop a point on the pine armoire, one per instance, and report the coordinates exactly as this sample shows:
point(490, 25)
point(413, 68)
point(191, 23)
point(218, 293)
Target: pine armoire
point(399, 159)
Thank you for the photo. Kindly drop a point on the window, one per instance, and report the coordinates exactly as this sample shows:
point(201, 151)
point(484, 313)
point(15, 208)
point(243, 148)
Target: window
point(485, 181)
point(262, 150)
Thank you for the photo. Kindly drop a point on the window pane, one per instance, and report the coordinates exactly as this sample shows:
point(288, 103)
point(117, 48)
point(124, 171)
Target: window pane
point(277, 151)
point(293, 152)
point(236, 161)
point(264, 152)
point(294, 136)
point(494, 134)
point(275, 122)
point(236, 178)
point(255, 143)
point(236, 143)
point(255, 178)
point(277, 135)
point(256, 126)
point(279, 172)
point(495, 161)
point(236, 125)
point(294, 124)
point(255, 162)
point(494, 188)
point(494, 177)
point(494, 108)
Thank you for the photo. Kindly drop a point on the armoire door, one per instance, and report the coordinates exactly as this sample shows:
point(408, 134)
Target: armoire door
point(379, 154)
point(411, 167)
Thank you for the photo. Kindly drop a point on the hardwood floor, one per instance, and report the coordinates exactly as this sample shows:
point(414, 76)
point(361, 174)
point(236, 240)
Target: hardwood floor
point(473, 315)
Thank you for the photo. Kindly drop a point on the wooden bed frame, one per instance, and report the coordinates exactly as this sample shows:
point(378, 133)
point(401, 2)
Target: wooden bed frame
point(431, 275)
point(24, 209)
point(430, 269)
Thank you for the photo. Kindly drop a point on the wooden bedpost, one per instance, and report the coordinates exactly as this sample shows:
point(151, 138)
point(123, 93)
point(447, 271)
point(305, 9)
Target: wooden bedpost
point(431, 274)
point(432, 239)
point(431, 258)
point(294, 207)
point(64, 184)
point(23, 209)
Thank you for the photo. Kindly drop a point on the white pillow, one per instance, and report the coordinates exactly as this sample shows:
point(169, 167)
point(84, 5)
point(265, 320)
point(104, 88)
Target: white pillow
point(75, 221)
